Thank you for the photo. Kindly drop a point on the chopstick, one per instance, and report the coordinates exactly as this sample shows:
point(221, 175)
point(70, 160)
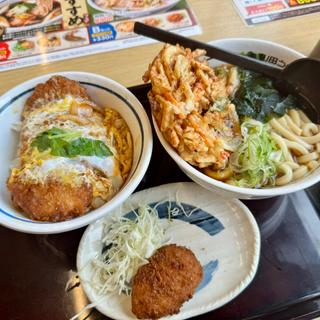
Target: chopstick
point(212, 51)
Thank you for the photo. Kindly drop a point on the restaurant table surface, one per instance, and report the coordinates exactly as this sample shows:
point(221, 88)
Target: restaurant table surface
point(35, 269)
point(218, 19)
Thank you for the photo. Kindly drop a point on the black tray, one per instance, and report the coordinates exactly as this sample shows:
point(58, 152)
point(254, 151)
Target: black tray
point(34, 269)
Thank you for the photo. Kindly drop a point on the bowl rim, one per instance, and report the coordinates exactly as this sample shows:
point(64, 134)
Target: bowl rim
point(37, 227)
point(238, 191)
point(134, 13)
point(260, 41)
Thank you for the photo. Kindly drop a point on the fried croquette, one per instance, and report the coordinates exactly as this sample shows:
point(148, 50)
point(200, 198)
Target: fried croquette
point(165, 283)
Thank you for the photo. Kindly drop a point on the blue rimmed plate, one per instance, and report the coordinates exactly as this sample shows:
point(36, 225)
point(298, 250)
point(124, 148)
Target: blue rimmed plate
point(222, 233)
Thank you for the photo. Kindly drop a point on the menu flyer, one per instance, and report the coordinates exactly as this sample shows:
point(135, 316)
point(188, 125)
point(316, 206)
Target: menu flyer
point(258, 11)
point(39, 31)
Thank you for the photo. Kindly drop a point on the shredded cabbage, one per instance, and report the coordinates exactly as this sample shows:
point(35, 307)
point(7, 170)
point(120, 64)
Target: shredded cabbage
point(256, 160)
point(127, 246)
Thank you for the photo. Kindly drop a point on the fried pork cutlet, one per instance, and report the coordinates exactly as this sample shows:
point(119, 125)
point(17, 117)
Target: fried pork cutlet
point(55, 88)
point(48, 187)
point(165, 283)
point(52, 200)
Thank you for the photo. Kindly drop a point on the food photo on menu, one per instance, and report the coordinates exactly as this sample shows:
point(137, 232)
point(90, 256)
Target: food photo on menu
point(63, 29)
point(190, 193)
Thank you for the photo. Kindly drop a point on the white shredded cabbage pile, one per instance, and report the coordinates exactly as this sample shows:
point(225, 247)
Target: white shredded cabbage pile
point(128, 244)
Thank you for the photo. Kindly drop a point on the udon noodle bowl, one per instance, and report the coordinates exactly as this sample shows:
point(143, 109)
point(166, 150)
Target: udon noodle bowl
point(230, 123)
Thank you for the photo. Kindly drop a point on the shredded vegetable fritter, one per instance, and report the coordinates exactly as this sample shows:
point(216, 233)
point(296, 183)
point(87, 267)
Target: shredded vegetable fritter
point(191, 104)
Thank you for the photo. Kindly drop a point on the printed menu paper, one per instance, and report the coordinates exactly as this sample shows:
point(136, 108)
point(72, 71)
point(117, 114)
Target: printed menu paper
point(39, 31)
point(258, 11)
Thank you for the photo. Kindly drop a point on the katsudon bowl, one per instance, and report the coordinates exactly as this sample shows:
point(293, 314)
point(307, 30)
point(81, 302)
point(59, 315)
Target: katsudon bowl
point(105, 93)
point(272, 53)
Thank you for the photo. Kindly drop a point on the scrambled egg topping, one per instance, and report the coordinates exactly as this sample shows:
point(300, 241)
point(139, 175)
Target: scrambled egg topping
point(105, 174)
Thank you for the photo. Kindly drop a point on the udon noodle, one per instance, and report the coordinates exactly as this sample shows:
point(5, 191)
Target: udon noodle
point(228, 126)
point(299, 140)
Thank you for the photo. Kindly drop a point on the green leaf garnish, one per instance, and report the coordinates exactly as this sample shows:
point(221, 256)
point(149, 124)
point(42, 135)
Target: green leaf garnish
point(69, 144)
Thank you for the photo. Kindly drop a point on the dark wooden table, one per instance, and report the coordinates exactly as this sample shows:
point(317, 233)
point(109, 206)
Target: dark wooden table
point(34, 269)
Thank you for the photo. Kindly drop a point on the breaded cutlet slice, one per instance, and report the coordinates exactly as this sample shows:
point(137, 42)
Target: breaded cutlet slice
point(165, 283)
point(57, 87)
point(52, 199)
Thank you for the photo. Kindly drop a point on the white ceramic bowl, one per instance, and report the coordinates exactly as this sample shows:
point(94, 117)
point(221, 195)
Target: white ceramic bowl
point(135, 13)
point(274, 51)
point(105, 92)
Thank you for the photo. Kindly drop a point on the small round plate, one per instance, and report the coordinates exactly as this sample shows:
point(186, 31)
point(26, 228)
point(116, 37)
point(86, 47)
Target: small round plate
point(222, 233)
